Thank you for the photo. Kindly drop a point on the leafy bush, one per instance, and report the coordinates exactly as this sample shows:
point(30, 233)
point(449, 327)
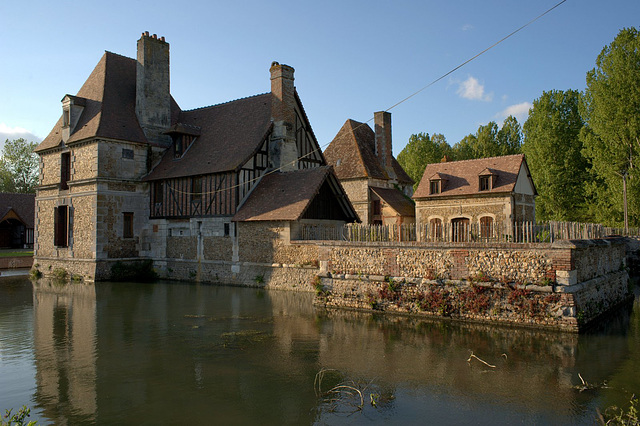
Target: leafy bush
point(17, 419)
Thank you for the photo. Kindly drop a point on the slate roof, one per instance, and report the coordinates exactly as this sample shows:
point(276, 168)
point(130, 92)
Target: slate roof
point(109, 105)
point(285, 196)
point(23, 205)
point(230, 134)
point(352, 154)
point(461, 178)
point(397, 200)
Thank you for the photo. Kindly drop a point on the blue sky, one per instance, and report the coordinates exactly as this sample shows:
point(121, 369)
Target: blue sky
point(351, 57)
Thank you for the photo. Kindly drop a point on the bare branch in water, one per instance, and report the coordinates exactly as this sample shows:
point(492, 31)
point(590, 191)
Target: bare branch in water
point(482, 361)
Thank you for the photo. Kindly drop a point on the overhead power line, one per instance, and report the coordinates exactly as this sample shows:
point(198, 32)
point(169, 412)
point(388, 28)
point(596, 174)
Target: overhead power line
point(405, 99)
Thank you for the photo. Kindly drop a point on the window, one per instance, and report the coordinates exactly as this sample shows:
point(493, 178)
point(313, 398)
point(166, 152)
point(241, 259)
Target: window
point(485, 183)
point(127, 229)
point(376, 208)
point(196, 189)
point(66, 117)
point(127, 153)
point(158, 192)
point(486, 227)
point(61, 226)
point(434, 186)
point(65, 170)
point(226, 229)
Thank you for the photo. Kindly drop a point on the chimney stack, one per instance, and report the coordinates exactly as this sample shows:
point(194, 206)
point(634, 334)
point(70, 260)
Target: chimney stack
point(153, 96)
point(283, 149)
point(382, 120)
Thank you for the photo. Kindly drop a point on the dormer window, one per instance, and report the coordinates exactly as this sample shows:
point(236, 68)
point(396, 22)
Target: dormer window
point(435, 186)
point(66, 117)
point(182, 135)
point(72, 107)
point(487, 180)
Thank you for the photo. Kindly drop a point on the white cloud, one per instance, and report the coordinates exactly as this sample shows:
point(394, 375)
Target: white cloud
point(8, 132)
point(467, 27)
point(519, 111)
point(473, 90)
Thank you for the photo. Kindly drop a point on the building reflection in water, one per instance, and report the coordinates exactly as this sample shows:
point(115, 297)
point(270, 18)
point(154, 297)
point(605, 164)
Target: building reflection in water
point(65, 350)
point(168, 352)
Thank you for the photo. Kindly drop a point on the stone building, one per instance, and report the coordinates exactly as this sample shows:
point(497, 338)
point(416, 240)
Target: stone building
point(488, 195)
point(376, 183)
point(126, 174)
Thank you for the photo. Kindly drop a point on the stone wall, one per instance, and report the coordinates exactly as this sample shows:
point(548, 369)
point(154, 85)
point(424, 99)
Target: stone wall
point(565, 285)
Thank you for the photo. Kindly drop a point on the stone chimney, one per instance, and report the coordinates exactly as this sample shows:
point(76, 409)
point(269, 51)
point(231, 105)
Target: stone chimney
point(284, 153)
point(153, 96)
point(382, 120)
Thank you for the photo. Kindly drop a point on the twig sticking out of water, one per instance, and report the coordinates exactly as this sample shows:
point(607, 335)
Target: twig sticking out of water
point(482, 361)
point(589, 386)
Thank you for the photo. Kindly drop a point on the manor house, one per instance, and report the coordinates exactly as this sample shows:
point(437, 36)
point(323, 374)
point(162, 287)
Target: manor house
point(126, 174)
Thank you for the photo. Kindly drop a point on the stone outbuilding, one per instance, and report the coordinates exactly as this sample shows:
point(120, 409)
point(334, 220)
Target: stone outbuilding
point(377, 185)
point(487, 196)
point(127, 175)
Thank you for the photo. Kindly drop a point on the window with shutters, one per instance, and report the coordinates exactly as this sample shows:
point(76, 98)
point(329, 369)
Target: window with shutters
point(61, 226)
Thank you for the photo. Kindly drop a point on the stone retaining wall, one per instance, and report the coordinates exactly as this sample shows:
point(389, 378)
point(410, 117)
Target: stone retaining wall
point(565, 285)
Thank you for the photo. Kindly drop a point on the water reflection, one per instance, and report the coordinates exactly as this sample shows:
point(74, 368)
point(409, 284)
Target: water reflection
point(196, 354)
point(65, 350)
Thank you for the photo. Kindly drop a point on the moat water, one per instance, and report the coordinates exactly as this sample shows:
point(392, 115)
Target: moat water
point(176, 353)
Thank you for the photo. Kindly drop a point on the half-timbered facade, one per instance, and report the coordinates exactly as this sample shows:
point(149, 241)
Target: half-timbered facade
point(126, 174)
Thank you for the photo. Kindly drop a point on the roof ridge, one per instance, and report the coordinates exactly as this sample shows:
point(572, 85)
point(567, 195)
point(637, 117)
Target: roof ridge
point(478, 159)
point(117, 54)
point(224, 103)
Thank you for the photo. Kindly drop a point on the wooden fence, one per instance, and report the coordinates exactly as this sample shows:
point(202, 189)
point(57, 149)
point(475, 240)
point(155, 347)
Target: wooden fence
point(520, 232)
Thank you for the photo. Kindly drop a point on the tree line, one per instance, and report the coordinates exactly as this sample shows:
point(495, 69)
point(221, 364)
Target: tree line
point(581, 147)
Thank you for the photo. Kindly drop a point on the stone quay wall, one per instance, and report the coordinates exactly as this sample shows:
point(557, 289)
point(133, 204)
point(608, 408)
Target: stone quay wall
point(565, 285)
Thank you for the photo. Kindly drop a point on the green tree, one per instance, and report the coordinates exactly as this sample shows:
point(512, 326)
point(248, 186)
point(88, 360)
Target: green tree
point(554, 154)
point(420, 151)
point(510, 136)
point(611, 138)
point(465, 149)
point(18, 166)
point(490, 142)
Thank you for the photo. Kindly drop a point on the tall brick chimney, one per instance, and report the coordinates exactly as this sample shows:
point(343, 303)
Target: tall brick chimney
point(382, 120)
point(153, 96)
point(284, 153)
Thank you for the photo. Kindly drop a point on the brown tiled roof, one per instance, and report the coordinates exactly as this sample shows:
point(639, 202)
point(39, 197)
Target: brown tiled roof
point(110, 97)
point(285, 196)
point(352, 154)
point(397, 200)
point(462, 177)
point(230, 134)
point(22, 205)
